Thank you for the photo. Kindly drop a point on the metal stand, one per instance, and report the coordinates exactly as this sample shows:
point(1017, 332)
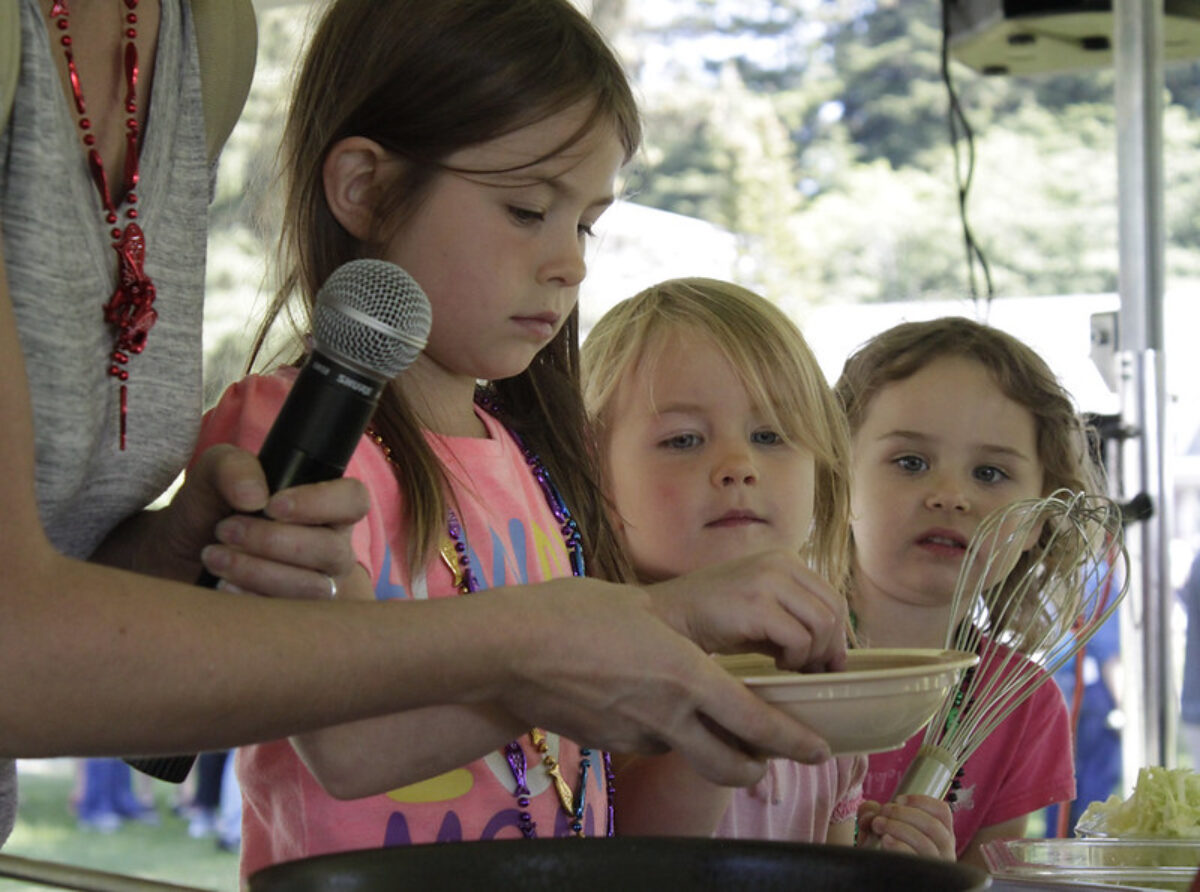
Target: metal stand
point(1138, 57)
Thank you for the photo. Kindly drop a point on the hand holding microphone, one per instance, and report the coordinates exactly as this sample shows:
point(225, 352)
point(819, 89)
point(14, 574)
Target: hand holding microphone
point(370, 322)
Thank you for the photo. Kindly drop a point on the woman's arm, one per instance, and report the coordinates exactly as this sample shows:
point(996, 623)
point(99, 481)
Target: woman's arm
point(346, 759)
point(111, 662)
point(658, 795)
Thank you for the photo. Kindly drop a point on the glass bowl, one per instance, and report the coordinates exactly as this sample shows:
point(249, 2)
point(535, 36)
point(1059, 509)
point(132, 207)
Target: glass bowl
point(1127, 863)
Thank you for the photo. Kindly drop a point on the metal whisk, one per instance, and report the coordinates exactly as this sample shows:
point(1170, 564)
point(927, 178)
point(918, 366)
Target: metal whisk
point(1038, 579)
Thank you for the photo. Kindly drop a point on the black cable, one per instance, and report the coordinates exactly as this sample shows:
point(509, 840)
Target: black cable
point(960, 128)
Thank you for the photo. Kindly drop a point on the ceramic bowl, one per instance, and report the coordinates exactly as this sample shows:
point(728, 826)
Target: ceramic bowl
point(883, 697)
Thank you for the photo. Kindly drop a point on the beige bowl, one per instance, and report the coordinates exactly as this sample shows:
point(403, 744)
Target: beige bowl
point(883, 697)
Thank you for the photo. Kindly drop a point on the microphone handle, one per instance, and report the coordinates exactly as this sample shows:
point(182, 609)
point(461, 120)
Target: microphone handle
point(311, 441)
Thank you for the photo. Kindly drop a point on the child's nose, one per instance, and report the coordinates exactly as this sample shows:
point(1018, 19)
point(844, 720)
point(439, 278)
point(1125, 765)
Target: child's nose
point(735, 468)
point(948, 495)
point(566, 264)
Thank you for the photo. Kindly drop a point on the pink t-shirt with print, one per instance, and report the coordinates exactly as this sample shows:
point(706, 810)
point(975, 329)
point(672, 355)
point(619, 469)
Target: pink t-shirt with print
point(795, 802)
point(513, 538)
point(1025, 764)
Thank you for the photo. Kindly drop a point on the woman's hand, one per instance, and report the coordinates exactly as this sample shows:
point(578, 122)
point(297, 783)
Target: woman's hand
point(593, 661)
point(294, 544)
point(769, 602)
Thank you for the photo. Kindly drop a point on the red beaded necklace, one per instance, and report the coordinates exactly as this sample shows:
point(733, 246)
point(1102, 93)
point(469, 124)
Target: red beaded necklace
point(130, 309)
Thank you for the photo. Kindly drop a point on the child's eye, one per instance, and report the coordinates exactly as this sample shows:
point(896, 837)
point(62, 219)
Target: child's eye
point(525, 215)
point(913, 464)
point(586, 230)
point(990, 474)
point(766, 438)
point(681, 441)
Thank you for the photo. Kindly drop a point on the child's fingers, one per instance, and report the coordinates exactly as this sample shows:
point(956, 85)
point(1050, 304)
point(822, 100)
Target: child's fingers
point(938, 809)
point(917, 828)
point(932, 815)
point(867, 810)
point(940, 825)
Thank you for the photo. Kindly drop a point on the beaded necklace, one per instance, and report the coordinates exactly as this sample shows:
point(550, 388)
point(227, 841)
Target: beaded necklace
point(130, 309)
point(455, 555)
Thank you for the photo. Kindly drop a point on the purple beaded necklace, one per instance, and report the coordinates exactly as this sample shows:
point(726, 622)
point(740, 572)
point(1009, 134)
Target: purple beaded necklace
point(455, 555)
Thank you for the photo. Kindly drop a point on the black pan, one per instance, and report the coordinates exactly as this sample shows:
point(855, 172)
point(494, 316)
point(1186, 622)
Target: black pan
point(628, 864)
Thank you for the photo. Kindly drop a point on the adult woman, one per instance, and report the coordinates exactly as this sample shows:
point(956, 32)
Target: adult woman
point(114, 662)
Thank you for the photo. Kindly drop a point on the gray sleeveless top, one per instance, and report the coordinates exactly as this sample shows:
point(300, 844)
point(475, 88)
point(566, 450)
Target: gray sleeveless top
point(61, 271)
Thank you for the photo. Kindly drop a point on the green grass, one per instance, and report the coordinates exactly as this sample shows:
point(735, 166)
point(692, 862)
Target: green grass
point(46, 830)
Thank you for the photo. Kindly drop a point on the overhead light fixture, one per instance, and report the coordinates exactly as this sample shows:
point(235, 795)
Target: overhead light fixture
point(1039, 36)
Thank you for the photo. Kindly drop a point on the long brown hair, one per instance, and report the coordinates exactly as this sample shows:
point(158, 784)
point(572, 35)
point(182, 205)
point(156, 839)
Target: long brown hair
point(425, 79)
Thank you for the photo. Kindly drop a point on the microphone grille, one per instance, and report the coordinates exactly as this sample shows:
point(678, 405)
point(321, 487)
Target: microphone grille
point(372, 315)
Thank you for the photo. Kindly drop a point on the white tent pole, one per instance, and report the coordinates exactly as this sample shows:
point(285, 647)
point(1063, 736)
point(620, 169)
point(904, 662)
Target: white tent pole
point(1149, 700)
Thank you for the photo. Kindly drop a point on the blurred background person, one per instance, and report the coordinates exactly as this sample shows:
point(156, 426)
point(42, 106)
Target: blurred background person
point(1097, 721)
point(107, 798)
point(1189, 712)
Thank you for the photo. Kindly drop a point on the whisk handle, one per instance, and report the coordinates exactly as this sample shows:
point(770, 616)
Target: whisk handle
point(930, 774)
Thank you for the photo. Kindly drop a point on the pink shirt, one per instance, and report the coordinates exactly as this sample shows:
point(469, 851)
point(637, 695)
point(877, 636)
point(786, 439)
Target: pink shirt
point(513, 538)
point(795, 802)
point(1021, 767)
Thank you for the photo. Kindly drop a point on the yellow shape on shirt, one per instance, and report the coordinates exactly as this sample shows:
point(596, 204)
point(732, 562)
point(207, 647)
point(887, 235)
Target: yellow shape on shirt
point(442, 788)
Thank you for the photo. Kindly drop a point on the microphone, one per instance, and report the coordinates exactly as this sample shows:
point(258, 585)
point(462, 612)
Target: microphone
point(370, 322)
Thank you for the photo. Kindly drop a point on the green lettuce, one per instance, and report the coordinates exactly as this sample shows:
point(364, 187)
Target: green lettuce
point(1165, 805)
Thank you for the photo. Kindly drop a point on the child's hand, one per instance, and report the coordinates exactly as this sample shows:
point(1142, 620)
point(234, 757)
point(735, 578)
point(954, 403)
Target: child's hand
point(295, 551)
point(770, 602)
point(915, 825)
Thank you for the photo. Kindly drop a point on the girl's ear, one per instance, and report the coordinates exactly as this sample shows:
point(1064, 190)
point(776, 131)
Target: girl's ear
point(354, 174)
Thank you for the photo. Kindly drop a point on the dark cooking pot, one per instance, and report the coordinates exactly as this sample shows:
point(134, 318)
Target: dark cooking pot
point(624, 864)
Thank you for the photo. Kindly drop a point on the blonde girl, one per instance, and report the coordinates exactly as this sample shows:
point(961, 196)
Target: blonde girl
point(721, 441)
point(475, 143)
point(950, 420)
